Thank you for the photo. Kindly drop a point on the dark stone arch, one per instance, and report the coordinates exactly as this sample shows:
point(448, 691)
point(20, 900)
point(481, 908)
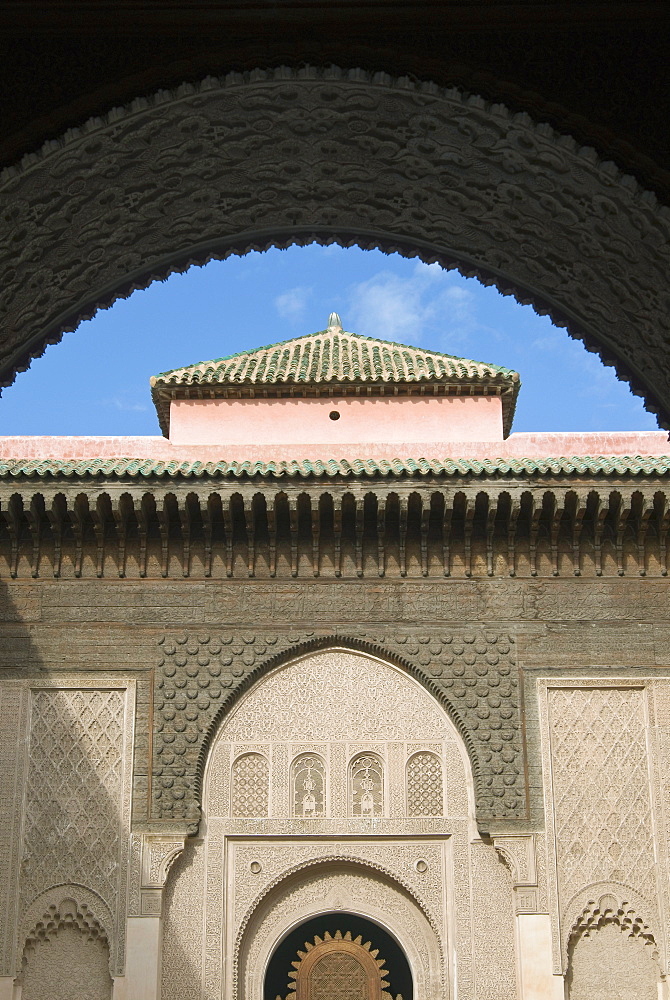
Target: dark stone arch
point(261, 159)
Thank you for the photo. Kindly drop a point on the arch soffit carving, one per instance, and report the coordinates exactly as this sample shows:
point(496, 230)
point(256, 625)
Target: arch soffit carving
point(229, 165)
point(324, 644)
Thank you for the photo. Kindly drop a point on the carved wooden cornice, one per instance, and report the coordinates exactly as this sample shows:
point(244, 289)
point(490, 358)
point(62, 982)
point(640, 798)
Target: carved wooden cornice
point(393, 528)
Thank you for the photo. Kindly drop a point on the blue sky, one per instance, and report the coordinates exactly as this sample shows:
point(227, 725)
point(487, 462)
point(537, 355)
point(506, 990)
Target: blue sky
point(96, 380)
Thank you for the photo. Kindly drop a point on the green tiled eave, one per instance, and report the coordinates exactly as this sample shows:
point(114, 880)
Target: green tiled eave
point(137, 468)
point(332, 358)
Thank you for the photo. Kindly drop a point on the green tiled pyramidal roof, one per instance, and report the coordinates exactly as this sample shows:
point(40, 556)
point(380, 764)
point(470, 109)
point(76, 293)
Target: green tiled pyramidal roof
point(137, 468)
point(333, 357)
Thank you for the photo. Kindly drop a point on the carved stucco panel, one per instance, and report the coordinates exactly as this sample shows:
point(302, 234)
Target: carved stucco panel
point(598, 800)
point(183, 950)
point(426, 880)
point(493, 945)
point(69, 963)
point(14, 721)
point(229, 164)
point(78, 790)
point(659, 744)
point(214, 915)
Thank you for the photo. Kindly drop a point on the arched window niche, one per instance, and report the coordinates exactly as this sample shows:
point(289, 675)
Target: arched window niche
point(366, 785)
point(308, 786)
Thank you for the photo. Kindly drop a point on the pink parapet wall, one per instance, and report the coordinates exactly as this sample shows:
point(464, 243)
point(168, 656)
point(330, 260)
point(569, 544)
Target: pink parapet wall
point(155, 448)
point(335, 421)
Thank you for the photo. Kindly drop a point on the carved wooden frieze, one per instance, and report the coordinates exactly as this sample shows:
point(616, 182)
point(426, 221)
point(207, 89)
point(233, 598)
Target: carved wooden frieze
point(403, 528)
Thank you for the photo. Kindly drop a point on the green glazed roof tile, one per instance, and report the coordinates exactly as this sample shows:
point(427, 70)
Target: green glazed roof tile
point(333, 356)
point(116, 468)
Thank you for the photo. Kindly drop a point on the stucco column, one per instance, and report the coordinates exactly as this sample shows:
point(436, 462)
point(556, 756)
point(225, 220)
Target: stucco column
point(533, 941)
point(534, 954)
point(7, 988)
point(144, 926)
point(143, 958)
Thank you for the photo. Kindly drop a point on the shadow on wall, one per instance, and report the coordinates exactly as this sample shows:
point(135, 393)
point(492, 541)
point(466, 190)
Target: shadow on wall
point(610, 963)
point(64, 735)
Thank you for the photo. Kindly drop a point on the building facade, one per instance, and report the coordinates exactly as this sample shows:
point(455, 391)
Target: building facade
point(338, 689)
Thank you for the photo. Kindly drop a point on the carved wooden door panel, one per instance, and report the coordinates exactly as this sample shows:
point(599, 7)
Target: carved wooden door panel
point(339, 968)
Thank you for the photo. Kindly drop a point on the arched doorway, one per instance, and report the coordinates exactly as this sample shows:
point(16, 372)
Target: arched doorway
point(337, 955)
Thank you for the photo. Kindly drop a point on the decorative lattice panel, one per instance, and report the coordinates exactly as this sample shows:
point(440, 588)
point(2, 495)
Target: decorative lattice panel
point(424, 785)
point(309, 786)
point(366, 786)
point(600, 774)
point(75, 786)
point(250, 786)
point(338, 977)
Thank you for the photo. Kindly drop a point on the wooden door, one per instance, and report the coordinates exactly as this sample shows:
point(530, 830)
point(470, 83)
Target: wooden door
point(339, 967)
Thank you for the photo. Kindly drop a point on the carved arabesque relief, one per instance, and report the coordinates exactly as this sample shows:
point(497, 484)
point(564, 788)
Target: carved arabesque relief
point(600, 841)
point(388, 163)
point(78, 791)
point(366, 785)
point(601, 788)
point(610, 967)
point(473, 671)
point(312, 705)
point(308, 786)
point(68, 963)
point(52, 918)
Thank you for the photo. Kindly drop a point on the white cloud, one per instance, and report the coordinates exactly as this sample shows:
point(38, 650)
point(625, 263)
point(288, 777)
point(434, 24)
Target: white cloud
point(125, 405)
point(407, 309)
point(291, 305)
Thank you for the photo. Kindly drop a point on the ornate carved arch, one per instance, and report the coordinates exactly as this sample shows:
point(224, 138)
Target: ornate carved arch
point(315, 879)
point(67, 906)
point(325, 864)
point(349, 644)
point(609, 903)
point(229, 165)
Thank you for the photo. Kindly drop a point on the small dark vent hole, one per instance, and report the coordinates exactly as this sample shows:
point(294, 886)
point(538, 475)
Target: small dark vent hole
point(334, 415)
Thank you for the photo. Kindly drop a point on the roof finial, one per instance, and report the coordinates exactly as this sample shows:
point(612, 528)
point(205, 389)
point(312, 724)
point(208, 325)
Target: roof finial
point(334, 322)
